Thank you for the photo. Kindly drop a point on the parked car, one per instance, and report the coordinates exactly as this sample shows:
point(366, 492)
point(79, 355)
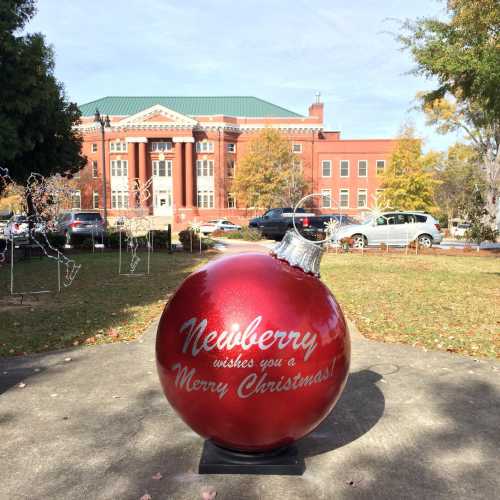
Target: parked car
point(5, 216)
point(17, 228)
point(81, 225)
point(218, 225)
point(395, 229)
point(461, 229)
point(276, 222)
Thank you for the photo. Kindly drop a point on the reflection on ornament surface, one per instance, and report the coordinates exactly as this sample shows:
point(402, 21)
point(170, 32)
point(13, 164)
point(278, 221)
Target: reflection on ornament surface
point(252, 352)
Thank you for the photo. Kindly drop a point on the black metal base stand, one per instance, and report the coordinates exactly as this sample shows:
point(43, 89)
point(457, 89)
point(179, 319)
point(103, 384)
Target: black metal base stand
point(284, 461)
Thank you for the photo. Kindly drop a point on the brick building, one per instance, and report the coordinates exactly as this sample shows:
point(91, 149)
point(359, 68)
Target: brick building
point(186, 150)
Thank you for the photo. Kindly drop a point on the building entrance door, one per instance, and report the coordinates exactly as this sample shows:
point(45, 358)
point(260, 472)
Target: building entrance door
point(162, 187)
point(162, 202)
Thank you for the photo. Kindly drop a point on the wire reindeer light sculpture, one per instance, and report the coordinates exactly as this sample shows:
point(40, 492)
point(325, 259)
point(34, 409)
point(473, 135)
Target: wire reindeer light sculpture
point(42, 199)
point(134, 227)
point(45, 198)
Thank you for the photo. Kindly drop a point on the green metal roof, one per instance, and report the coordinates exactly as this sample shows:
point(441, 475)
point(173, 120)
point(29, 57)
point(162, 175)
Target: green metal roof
point(245, 106)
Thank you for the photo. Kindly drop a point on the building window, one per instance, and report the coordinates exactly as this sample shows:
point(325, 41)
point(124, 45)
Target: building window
point(344, 198)
point(297, 148)
point(205, 199)
point(380, 167)
point(326, 198)
point(95, 169)
point(362, 200)
point(344, 168)
point(119, 199)
point(231, 200)
point(231, 147)
point(160, 146)
point(119, 168)
point(326, 168)
point(205, 168)
point(205, 147)
point(94, 148)
point(230, 168)
point(162, 168)
point(362, 168)
point(76, 199)
point(297, 165)
point(118, 147)
point(95, 199)
point(378, 192)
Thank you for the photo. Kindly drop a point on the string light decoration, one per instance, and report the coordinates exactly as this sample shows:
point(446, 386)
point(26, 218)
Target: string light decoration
point(135, 228)
point(43, 198)
point(142, 192)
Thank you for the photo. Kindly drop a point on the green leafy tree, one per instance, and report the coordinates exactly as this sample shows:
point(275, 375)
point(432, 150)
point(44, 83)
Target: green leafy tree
point(458, 175)
point(37, 131)
point(462, 53)
point(269, 174)
point(408, 182)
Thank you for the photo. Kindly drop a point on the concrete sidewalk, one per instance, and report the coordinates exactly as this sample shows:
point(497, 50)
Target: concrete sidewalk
point(410, 424)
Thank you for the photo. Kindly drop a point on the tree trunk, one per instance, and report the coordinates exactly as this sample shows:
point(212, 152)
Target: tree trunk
point(491, 205)
point(492, 170)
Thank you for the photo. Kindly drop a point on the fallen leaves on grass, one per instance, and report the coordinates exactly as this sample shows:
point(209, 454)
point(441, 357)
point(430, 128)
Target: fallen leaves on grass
point(433, 302)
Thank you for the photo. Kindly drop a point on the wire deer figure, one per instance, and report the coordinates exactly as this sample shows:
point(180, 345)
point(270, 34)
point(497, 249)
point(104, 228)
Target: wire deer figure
point(42, 201)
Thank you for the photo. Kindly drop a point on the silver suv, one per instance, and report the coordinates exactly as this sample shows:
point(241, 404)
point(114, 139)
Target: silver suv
point(81, 224)
point(394, 229)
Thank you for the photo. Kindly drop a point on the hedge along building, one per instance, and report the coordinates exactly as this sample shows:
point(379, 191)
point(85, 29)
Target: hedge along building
point(187, 150)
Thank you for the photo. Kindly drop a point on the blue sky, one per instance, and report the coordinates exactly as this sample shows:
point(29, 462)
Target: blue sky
point(278, 50)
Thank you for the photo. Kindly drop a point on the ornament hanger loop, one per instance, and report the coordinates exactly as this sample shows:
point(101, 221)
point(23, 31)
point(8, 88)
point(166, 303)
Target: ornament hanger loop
point(328, 235)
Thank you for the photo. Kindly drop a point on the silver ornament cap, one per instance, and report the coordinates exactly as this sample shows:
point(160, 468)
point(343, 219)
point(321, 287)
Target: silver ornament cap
point(299, 252)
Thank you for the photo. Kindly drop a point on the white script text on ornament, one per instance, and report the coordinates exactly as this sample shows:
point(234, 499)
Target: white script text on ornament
point(184, 379)
point(254, 384)
point(197, 341)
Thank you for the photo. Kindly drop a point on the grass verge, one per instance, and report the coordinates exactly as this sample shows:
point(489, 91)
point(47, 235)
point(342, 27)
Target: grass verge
point(99, 307)
point(435, 302)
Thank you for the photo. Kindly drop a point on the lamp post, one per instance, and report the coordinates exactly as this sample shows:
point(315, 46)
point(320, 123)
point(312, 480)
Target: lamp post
point(104, 124)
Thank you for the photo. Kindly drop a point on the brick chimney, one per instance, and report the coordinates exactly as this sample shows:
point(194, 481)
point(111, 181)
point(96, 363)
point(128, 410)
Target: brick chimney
point(316, 108)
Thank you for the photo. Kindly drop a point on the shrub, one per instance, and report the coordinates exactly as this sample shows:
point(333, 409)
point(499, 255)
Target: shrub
point(113, 240)
point(161, 239)
point(56, 240)
point(86, 244)
point(251, 234)
point(218, 233)
point(247, 234)
point(234, 235)
point(346, 243)
point(186, 236)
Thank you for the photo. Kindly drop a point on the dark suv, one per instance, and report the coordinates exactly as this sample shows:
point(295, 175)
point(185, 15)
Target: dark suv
point(81, 225)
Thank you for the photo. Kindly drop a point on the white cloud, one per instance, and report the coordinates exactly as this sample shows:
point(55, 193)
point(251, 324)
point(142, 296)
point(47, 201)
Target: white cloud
point(279, 50)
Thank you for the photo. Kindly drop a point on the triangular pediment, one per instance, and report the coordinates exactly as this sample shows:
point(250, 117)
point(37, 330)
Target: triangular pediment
point(158, 115)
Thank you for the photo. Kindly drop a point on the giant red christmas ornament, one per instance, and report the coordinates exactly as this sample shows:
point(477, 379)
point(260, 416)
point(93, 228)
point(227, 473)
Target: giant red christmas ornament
point(252, 350)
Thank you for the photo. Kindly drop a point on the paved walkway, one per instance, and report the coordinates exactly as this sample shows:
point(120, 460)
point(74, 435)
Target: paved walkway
point(410, 424)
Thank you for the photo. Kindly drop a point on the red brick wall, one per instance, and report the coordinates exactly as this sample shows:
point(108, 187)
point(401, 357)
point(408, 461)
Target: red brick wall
point(315, 148)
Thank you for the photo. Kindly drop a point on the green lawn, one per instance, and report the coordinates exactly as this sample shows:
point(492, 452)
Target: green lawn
point(99, 307)
point(435, 302)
